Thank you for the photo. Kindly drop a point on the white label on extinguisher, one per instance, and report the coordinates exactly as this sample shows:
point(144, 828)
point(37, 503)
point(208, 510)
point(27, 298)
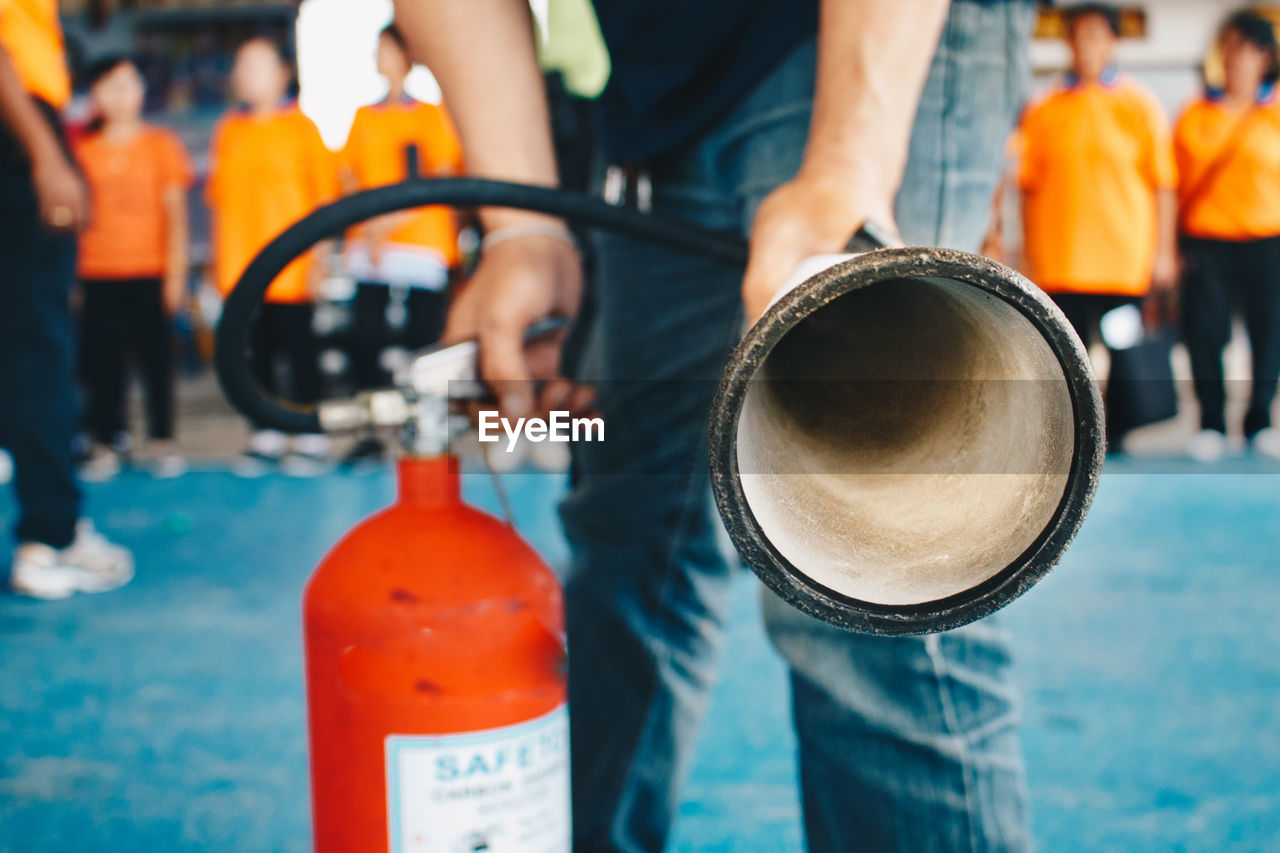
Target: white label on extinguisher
point(500, 790)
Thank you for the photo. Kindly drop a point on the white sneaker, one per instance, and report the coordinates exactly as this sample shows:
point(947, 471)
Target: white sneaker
point(1267, 442)
point(168, 466)
point(304, 465)
point(1208, 445)
point(163, 460)
point(266, 448)
point(103, 464)
point(311, 456)
point(89, 564)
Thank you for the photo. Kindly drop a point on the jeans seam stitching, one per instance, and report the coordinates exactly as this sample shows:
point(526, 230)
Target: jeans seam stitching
point(947, 167)
point(937, 661)
point(664, 657)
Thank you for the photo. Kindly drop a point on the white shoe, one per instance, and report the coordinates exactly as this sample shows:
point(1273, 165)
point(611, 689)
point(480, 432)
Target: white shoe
point(305, 465)
point(311, 456)
point(313, 444)
point(164, 461)
point(103, 464)
point(1267, 442)
point(250, 465)
point(89, 564)
point(1208, 445)
point(266, 448)
point(6, 467)
point(169, 466)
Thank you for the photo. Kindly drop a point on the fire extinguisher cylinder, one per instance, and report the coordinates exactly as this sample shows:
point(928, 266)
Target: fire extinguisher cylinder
point(436, 680)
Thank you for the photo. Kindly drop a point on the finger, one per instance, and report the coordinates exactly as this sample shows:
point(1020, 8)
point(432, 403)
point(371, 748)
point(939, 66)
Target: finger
point(582, 400)
point(58, 216)
point(68, 211)
point(1151, 312)
point(542, 356)
point(502, 364)
point(83, 209)
point(555, 395)
point(460, 321)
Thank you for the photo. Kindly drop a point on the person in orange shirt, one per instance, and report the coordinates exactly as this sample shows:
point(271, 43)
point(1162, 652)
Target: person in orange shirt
point(269, 168)
point(133, 264)
point(1228, 148)
point(400, 258)
point(1097, 177)
point(42, 205)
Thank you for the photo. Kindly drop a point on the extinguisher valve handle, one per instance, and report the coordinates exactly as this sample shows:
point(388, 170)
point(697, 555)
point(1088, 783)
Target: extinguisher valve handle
point(419, 402)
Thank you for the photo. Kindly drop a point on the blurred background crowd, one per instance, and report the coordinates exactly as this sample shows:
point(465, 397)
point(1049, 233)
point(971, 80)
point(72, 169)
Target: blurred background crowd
point(1143, 193)
point(196, 153)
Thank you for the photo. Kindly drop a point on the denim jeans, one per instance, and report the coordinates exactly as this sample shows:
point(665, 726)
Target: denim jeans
point(906, 743)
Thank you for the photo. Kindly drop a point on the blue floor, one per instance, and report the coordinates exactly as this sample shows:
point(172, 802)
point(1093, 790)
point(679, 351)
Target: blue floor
point(168, 716)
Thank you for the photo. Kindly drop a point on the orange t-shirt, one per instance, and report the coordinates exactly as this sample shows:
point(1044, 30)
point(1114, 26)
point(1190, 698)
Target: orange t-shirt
point(32, 36)
point(1094, 157)
point(375, 153)
point(265, 173)
point(127, 235)
point(1243, 200)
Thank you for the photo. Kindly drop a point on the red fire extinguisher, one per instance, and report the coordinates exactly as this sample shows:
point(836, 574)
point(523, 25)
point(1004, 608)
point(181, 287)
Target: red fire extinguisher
point(435, 652)
point(434, 637)
point(435, 664)
point(436, 668)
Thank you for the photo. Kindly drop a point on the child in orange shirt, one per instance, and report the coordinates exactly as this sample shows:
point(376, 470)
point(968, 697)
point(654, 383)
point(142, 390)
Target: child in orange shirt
point(268, 169)
point(133, 264)
point(407, 254)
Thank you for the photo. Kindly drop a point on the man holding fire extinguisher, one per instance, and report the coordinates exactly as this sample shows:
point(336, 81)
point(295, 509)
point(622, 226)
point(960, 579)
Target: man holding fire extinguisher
point(795, 122)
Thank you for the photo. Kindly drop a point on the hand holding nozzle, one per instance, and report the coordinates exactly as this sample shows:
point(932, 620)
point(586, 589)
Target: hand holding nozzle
point(813, 215)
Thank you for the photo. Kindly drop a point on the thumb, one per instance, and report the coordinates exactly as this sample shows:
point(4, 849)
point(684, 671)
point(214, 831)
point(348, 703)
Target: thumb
point(770, 261)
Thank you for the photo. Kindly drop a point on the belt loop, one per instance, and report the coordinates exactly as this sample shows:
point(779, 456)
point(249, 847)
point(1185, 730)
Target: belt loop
point(628, 185)
point(615, 186)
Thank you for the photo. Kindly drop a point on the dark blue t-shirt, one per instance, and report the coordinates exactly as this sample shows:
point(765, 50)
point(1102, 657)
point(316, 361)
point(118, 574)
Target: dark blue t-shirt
point(678, 64)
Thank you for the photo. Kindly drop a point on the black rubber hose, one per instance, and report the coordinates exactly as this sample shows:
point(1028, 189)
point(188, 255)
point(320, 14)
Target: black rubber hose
point(331, 220)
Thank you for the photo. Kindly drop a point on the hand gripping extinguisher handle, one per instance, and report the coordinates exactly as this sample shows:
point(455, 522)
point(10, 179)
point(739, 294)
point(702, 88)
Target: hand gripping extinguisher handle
point(423, 388)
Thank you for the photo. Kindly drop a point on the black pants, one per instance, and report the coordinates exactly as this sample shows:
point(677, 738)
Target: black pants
point(1220, 276)
point(371, 333)
point(121, 316)
point(284, 352)
point(39, 409)
point(1083, 311)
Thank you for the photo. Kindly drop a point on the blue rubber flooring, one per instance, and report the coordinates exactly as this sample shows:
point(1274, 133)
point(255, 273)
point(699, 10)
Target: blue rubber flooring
point(169, 715)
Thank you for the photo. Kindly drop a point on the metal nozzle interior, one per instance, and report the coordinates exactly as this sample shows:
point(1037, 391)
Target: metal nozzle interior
point(906, 441)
